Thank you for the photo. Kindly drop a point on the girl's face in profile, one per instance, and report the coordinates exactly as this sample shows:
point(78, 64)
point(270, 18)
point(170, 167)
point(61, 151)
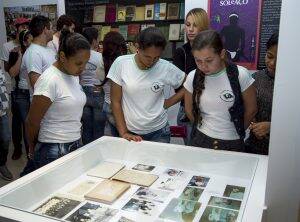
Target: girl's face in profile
point(74, 65)
point(270, 59)
point(191, 29)
point(208, 61)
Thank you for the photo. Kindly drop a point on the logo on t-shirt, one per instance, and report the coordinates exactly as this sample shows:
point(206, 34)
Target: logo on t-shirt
point(227, 96)
point(90, 66)
point(156, 87)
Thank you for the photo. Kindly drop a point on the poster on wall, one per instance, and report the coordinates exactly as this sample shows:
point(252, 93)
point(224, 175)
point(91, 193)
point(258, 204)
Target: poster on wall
point(11, 13)
point(238, 23)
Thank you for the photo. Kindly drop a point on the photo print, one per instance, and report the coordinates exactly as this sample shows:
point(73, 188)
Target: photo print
point(151, 194)
point(174, 173)
point(225, 203)
point(235, 192)
point(215, 214)
point(143, 167)
point(198, 181)
point(191, 193)
point(144, 207)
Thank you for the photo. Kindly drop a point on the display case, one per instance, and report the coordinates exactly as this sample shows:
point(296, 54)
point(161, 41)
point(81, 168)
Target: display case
point(193, 184)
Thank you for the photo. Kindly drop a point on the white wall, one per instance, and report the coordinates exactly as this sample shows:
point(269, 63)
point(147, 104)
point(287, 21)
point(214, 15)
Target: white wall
point(283, 185)
point(190, 4)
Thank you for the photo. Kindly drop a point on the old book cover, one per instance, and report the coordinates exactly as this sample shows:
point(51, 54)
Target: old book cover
point(130, 13)
point(123, 31)
point(162, 11)
point(106, 169)
point(140, 13)
point(165, 30)
point(99, 13)
point(174, 32)
point(135, 177)
point(107, 191)
point(173, 11)
point(110, 13)
point(121, 13)
point(182, 32)
point(149, 12)
point(133, 31)
point(156, 11)
point(182, 10)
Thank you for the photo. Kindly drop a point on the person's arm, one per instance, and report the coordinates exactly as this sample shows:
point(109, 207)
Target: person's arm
point(177, 97)
point(33, 77)
point(260, 129)
point(38, 108)
point(14, 66)
point(250, 105)
point(116, 105)
point(188, 105)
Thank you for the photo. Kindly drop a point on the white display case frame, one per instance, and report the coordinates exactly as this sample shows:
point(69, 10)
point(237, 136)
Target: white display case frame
point(22, 194)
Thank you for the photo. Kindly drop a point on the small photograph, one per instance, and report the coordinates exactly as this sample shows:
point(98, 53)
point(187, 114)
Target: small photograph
point(92, 212)
point(151, 194)
point(174, 173)
point(141, 206)
point(143, 167)
point(225, 203)
point(198, 181)
point(191, 193)
point(180, 210)
point(124, 219)
point(235, 192)
point(169, 184)
point(215, 214)
point(57, 207)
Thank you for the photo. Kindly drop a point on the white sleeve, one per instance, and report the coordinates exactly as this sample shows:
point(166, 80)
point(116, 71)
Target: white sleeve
point(34, 62)
point(100, 72)
point(188, 84)
point(4, 53)
point(175, 76)
point(45, 86)
point(115, 72)
point(245, 78)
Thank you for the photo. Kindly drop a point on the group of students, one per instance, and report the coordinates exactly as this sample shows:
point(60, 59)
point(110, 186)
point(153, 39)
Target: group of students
point(73, 91)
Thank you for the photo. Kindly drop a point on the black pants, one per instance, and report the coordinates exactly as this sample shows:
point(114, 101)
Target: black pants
point(199, 139)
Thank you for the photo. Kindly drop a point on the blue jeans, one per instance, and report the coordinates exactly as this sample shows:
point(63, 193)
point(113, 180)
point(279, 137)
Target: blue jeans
point(4, 139)
point(16, 125)
point(22, 103)
point(162, 135)
point(110, 119)
point(93, 117)
point(182, 120)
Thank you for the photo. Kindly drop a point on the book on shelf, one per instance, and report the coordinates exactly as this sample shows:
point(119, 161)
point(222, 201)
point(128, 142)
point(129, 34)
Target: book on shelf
point(162, 11)
point(140, 13)
point(110, 16)
point(135, 177)
point(173, 11)
point(182, 10)
point(107, 191)
point(99, 28)
point(121, 13)
point(114, 29)
point(149, 12)
point(123, 31)
point(99, 13)
point(165, 30)
point(174, 32)
point(130, 13)
point(156, 11)
point(105, 169)
point(182, 32)
point(88, 15)
point(133, 31)
point(104, 31)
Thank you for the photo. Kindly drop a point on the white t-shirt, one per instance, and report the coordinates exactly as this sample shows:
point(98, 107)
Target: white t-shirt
point(143, 92)
point(23, 82)
point(4, 54)
point(106, 89)
point(216, 99)
point(54, 44)
point(94, 70)
point(62, 121)
point(37, 59)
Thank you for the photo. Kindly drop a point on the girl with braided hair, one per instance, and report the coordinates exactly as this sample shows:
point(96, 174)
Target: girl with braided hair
point(220, 98)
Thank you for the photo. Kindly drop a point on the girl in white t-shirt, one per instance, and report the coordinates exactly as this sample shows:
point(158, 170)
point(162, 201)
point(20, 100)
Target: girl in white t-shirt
point(219, 97)
point(137, 89)
point(53, 123)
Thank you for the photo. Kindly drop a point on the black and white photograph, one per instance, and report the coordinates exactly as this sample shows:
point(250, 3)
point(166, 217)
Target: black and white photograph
point(198, 181)
point(57, 207)
point(191, 193)
point(144, 207)
point(235, 192)
point(143, 167)
point(216, 214)
point(151, 194)
point(174, 173)
point(92, 212)
point(225, 203)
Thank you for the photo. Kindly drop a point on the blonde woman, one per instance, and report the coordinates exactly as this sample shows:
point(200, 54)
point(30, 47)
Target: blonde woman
point(196, 21)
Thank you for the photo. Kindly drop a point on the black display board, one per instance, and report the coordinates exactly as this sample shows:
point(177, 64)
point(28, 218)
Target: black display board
point(269, 24)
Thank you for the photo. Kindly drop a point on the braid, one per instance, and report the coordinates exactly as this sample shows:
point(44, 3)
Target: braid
point(198, 85)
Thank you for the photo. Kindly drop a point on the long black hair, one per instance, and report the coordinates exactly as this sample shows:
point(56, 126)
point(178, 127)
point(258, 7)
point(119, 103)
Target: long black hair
point(114, 45)
point(23, 37)
point(204, 39)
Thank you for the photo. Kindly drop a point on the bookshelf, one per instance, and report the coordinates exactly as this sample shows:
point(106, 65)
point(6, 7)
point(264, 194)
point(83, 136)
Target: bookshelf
point(130, 17)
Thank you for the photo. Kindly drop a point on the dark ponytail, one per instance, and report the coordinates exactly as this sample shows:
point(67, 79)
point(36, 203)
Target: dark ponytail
point(70, 43)
point(210, 39)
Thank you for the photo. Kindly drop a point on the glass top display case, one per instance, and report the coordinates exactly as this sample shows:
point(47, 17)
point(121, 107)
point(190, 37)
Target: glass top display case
point(112, 179)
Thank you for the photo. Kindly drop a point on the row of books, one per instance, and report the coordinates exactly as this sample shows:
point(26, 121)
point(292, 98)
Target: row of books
point(110, 13)
point(172, 32)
